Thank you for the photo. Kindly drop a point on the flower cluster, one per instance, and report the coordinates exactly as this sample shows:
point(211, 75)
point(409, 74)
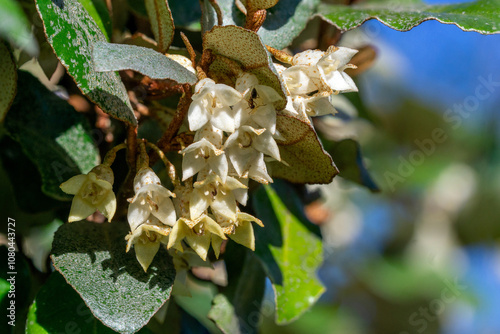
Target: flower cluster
point(235, 131)
point(312, 79)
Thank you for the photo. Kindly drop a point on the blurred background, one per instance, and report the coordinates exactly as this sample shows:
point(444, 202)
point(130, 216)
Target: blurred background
point(421, 255)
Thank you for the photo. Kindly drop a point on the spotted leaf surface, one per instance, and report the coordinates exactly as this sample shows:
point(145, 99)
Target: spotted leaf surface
point(246, 48)
point(92, 259)
point(306, 160)
point(8, 81)
point(72, 33)
point(162, 23)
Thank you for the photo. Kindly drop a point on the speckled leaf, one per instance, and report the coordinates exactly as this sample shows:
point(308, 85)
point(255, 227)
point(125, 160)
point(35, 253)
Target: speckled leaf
point(15, 27)
point(92, 259)
point(53, 135)
point(72, 33)
point(347, 156)
point(246, 48)
point(117, 57)
point(302, 151)
point(283, 23)
point(260, 4)
point(99, 12)
point(59, 309)
point(8, 79)
point(482, 16)
point(291, 255)
point(162, 23)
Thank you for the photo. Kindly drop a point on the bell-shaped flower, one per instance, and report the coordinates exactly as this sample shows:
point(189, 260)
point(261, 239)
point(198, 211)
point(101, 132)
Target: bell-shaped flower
point(151, 198)
point(183, 61)
point(240, 229)
point(246, 148)
point(313, 106)
point(212, 192)
point(202, 154)
point(198, 234)
point(259, 106)
point(213, 103)
point(93, 191)
point(146, 240)
point(328, 67)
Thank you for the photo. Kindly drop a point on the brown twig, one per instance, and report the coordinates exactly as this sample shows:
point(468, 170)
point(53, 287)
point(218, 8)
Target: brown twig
point(280, 55)
point(217, 10)
point(189, 48)
point(175, 124)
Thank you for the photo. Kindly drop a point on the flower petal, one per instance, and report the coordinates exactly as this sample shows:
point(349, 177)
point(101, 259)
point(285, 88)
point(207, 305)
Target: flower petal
point(80, 209)
point(108, 205)
point(145, 253)
point(198, 203)
point(225, 205)
point(166, 211)
point(137, 214)
point(244, 235)
point(197, 116)
point(73, 185)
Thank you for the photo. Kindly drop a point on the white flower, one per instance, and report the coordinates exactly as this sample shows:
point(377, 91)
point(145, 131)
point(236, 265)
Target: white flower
point(93, 191)
point(328, 67)
point(211, 191)
point(146, 240)
point(213, 102)
point(151, 198)
point(259, 102)
point(313, 106)
point(246, 148)
point(205, 152)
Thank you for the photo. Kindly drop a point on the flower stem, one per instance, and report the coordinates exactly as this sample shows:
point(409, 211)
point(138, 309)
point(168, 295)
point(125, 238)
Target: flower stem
point(171, 168)
point(110, 157)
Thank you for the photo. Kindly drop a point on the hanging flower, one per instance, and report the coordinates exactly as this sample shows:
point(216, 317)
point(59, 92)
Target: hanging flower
point(258, 105)
point(213, 103)
point(246, 148)
point(93, 191)
point(151, 198)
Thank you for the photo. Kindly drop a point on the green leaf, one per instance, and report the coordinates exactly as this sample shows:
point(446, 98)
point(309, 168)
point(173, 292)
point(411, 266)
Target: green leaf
point(16, 28)
point(482, 16)
point(283, 23)
point(238, 308)
point(92, 259)
point(306, 160)
point(8, 81)
point(183, 17)
point(59, 309)
point(291, 255)
point(246, 48)
point(347, 156)
point(162, 23)
point(53, 135)
point(117, 57)
point(72, 33)
point(99, 12)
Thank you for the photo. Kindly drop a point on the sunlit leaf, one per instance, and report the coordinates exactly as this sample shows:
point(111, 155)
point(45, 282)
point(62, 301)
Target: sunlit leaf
point(72, 33)
point(162, 23)
point(305, 160)
point(53, 135)
point(92, 259)
point(291, 255)
point(8, 79)
point(482, 16)
point(116, 57)
point(15, 27)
